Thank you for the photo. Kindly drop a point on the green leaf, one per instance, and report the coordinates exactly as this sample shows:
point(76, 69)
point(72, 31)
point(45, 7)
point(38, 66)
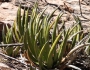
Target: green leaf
point(51, 52)
point(9, 51)
point(3, 35)
point(54, 35)
point(19, 19)
point(36, 48)
point(23, 23)
point(51, 15)
point(30, 43)
point(26, 19)
point(62, 47)
point(41, 54)
point(15, 31)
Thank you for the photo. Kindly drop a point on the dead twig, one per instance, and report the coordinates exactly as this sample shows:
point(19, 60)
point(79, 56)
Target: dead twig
point(81, 11)
point(10, 45)
point(22, 44)
point(80, 8)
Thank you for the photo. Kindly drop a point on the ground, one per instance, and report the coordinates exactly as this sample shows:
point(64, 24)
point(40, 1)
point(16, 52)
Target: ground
point(8, 12)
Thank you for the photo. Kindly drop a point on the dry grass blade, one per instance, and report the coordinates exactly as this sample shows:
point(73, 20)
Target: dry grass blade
point(75, 34)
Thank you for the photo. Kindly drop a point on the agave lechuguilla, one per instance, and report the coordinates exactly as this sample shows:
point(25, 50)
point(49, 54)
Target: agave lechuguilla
point(40, 51)
point(41, 38)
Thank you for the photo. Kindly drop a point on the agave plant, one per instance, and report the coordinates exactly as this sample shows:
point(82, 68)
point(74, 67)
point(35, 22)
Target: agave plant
point(45, 45)
point(15, 34)
point(8, 39)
